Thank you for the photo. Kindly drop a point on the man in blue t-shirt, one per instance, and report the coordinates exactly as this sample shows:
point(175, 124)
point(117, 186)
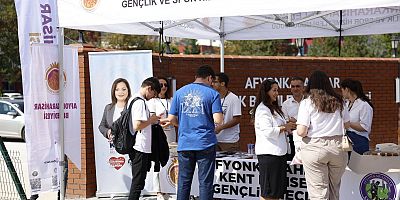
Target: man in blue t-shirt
point(197, 109)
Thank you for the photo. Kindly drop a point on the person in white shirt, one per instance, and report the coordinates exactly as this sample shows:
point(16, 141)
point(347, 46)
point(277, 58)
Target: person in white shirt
point(160, 106)
point(290, 107)
point(321, 120)
point(361, 113)
point(271, 141)
point(141, 122)
point(228, 132)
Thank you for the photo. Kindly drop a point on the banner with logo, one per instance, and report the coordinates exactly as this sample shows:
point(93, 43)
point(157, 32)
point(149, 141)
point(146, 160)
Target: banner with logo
point(41, 93)
point(105, 67)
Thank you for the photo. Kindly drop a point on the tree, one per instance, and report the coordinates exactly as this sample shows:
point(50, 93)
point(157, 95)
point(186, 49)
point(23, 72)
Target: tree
point(10, 70)
point(191, 47)
point(352, 46)
point(260, 48)
point(129, 42)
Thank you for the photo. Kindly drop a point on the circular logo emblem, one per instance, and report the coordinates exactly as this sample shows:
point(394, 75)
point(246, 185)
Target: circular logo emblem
point(173, 170)
point(90, 4)
point(52, 77)
point(377, 186)
point(35, 173)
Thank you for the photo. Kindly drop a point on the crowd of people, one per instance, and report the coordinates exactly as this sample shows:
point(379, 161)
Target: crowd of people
point(203, 117)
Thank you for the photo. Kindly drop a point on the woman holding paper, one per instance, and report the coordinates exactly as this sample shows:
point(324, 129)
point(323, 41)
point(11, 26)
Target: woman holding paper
point(271, 141)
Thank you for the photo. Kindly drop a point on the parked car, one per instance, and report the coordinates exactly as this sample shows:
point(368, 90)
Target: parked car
point(12, 122)
point(12, 95)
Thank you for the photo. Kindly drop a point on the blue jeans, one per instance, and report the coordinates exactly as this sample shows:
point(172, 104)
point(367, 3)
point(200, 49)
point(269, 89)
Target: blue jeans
point(360, 143)
point(205, 160)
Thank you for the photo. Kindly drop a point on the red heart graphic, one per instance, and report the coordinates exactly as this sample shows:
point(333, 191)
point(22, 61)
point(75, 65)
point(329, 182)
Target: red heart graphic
point(117, 162)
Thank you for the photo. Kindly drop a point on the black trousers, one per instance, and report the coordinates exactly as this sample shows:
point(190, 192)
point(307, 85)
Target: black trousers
point(140, 164)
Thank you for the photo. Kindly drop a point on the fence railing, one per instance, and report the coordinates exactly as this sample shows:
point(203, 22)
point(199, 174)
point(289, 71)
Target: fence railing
point(8, 191)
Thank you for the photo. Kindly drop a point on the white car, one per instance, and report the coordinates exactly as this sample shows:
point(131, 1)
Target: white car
point(12, 122)
point(12, 95)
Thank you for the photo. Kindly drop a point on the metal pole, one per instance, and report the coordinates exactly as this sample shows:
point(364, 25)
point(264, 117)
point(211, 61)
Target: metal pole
point(61, 100)
point(222, 47)
point(11, 169)
point(340, 31)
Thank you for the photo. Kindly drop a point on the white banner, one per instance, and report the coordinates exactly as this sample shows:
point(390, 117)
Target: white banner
point(105, 67)
point(41, 97)
point(37, 23)
point(237, 178)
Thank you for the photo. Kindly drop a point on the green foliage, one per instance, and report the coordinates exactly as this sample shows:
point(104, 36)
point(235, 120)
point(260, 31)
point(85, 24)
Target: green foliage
point(260, 48)
point(191, 47)
point(9, 51)
point(130, 42)
point(352, 46)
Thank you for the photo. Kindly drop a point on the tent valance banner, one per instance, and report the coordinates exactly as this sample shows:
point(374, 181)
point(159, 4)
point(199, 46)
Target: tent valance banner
point(244, 20)
point(41, 97)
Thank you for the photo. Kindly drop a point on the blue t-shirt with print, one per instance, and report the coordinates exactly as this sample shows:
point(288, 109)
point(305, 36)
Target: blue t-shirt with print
point(194, 105)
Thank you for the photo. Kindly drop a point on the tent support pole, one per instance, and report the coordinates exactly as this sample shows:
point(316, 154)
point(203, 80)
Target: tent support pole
point(222, 47)
point(61, 110)
point(340, 32)
point(222, 55)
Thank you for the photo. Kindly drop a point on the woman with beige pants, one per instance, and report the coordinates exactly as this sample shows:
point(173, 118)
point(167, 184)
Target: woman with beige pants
point(320, 123)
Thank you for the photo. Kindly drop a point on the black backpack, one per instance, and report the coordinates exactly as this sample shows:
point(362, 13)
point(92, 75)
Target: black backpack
point(123, 139)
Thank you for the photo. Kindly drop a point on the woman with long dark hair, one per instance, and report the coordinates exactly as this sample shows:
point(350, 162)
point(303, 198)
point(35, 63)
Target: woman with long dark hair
point(120, 94)
point(361, 113)
point(321, 120)
point(271, 141)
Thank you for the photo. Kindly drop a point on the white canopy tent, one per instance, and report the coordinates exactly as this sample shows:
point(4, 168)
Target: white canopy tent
point(233, 19)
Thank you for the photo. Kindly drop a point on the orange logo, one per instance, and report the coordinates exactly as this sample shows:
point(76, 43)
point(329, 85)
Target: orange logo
point(173, 170)
point(52, 78)
point(90, 4)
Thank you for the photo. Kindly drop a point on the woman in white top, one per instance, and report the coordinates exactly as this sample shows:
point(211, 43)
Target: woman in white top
point(120, 94)
point(271, 141)
point(161, 105)
point(361, 113)
point(320, 121)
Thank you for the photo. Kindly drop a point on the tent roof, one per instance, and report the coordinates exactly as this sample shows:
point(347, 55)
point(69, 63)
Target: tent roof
point(232, 19)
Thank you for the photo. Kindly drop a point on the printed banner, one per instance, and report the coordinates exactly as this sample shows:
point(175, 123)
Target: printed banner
point(37, 23)
point(41, 96)
point(105, 67)
point(237, 178)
